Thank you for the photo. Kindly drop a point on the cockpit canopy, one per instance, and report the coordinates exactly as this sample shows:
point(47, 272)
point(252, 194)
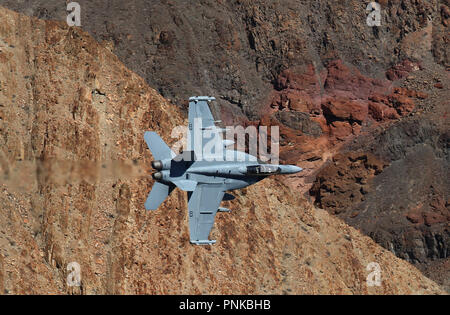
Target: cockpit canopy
point(263, 169)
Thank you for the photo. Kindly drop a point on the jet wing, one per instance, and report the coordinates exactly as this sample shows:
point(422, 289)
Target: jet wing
point(203, 204)
point(203, 135)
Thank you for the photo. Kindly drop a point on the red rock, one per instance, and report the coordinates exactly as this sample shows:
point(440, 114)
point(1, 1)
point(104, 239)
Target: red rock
point(276, 101)
point(410, 93)
point(299, 79)
point(284, 102)
point(438, 203)
point(341, 129)
point(347, 110)
point(300, 101)
point(380, 111)
point(403, 104)
point(414, 217)
point(347, 175)
point(421, 95)
point(390, 113)
point(342, 78)
point(432, 218)
point(376, 110)
point(401, 70)
point(378, 98)
point(445, 14)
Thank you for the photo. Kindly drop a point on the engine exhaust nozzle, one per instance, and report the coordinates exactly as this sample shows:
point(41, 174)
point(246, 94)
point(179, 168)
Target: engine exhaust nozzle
point(157, 176)
point(157, 165)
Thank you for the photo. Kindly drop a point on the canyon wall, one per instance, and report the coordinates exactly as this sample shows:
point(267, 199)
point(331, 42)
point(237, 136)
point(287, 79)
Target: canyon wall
point(75, 175)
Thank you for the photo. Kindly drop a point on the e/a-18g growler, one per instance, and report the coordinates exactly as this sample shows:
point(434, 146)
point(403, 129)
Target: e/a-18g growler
point(205, 172)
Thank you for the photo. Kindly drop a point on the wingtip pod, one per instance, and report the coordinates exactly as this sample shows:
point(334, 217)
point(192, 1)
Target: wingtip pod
point(201, 98)
point(290, 169)
point(204, 242)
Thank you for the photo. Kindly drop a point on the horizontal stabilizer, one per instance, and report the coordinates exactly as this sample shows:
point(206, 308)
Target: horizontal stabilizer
point(157, 195)
point(157, 146)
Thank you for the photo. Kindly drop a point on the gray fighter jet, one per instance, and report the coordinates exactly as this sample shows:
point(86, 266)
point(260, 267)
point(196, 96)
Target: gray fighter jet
point(206, 170)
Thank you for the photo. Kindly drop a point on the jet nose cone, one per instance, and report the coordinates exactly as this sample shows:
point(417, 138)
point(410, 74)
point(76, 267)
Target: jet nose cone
point(290, 169)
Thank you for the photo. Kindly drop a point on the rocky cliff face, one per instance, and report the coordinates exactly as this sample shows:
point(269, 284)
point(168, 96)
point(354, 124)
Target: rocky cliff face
point(72, 118)
point(236, 49)
point(393, 185)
